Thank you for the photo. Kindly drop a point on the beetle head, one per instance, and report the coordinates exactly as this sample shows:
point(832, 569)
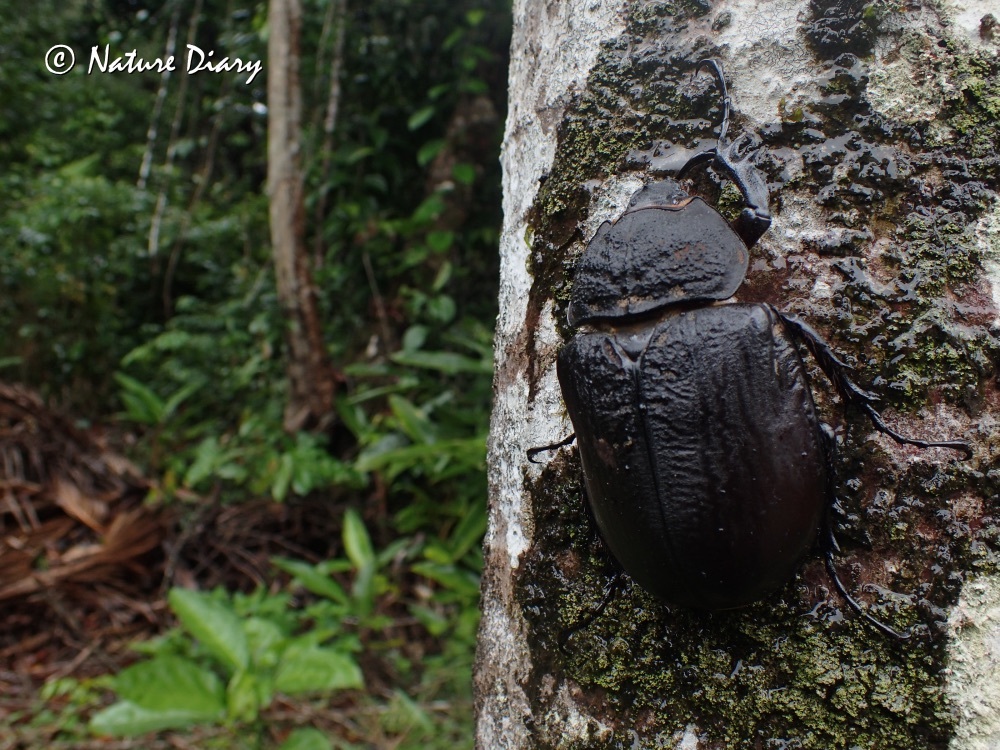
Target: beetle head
point(670, 248)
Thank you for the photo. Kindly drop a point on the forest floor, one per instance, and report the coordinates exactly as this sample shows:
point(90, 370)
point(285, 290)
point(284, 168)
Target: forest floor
point(87, 560)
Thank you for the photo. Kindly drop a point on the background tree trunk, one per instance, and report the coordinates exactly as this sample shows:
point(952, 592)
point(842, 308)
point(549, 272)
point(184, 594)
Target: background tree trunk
point(311, 377)
point(879, 137)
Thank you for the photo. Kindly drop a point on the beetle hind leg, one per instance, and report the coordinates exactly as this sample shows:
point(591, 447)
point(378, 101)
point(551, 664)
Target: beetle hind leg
point(830, 547)
point(611, 590)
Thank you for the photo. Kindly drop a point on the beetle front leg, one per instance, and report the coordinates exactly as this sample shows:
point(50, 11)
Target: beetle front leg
point(735, 158)
point(837, 371)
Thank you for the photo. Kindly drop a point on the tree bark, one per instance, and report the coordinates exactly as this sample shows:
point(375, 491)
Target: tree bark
point(311, 378)
point(879, 132)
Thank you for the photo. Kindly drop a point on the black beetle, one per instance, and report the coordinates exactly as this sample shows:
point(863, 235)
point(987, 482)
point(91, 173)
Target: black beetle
point(707, 469)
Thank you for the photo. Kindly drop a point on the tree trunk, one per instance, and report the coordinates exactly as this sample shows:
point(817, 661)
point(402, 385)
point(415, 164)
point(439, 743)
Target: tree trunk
point(879, 132)
point(311, 378)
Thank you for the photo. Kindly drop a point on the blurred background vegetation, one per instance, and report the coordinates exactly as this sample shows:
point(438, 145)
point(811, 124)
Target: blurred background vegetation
point(289, 589)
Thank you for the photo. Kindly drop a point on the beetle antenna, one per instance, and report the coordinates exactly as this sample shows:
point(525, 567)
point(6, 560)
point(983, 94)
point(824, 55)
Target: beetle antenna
point(721, 80)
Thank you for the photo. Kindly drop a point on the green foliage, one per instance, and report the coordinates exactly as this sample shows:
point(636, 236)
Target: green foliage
point(445, 605)
point(165, 693)
point(306, 739)
point(154, 297)
point(225, 664)
point(232, 654)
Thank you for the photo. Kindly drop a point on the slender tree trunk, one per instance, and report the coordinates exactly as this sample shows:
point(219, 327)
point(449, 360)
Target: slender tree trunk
point(311, 377)
point(161, 96)
point(878, 131)
point(338, 10)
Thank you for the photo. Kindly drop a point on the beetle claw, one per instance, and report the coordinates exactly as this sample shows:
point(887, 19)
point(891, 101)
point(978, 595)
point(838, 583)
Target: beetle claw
point(720, 79)
point(876, 418)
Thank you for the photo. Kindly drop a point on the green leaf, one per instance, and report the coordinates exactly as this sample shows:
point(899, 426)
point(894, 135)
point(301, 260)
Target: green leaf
point(357, 542)
point(464, 173)
point(353, 417)
point(429, 210)
point(213, 623)
point(141, 402)
point(243, 697)
point(441, 308)
point(179, 397)
point(125, 719)
point(420, 117)
point(414, 338)
point(312, 579)
point(306, 739)
point(412, 421)
point(84, 167)
point(266, 641)
point(282, 477)
point(446, 362)
point(362, 556)
point(435, 623)
point(207, 456)
point(443, 277)
point(440, 240)
point(163, 693)
point(452, 39)
point(427, 152)
point(469, 531)
point(307, 669)
point(469, 450)
point(436, 92)
point(404, 714)
point(451, 577)
point(359, 153)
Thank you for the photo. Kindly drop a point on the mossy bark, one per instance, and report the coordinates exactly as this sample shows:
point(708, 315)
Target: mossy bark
point(878, 129)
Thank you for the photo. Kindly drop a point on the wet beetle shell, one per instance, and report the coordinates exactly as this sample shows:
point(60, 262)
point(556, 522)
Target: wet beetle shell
point(701, 450)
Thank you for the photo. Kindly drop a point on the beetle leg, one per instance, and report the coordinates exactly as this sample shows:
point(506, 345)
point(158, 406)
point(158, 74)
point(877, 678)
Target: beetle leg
point(830, 547)
point(610, 592)
point(532, 452)
point(720, 78)
point(837, 371)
